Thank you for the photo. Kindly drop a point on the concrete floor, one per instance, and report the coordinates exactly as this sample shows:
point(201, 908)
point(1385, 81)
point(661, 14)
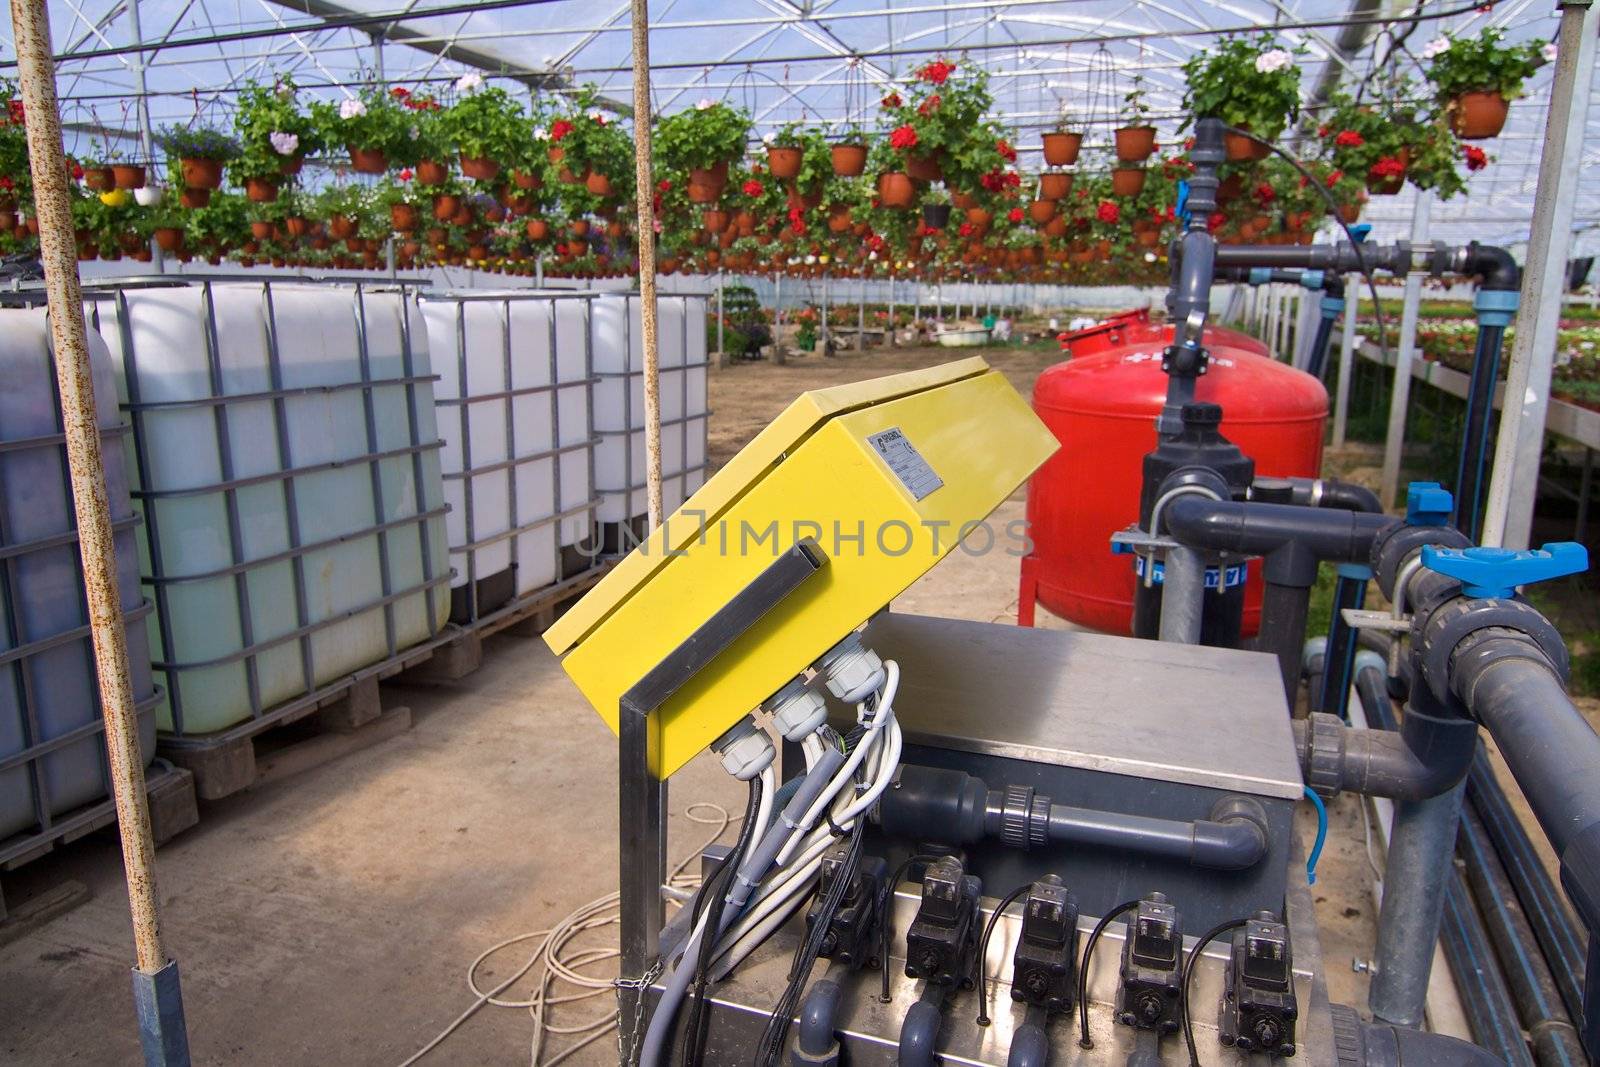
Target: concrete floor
point(330, 917)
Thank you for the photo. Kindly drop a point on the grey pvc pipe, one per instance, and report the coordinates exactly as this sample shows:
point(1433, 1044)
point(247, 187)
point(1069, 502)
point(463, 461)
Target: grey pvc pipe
point(1383, 763)
point(1392, 1046)
point(1183, 591)
point(919, 1033)
point(817, 1040)
point(1229, 845)
point(1146, 1049)
point(1030, 1044)
point(1420, 847)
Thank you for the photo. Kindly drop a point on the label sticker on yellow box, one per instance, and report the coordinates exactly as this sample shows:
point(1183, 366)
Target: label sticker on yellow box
point(902, 457)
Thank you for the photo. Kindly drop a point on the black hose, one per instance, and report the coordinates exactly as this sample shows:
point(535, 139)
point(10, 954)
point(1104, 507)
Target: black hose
point(1484, 996)
point(983, 949)
point(1084, 1040)
point(713, 899)
point(1475, 431)
point(1188, 976)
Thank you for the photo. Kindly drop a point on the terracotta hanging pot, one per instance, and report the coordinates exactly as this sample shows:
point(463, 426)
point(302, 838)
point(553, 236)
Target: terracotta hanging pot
point(536, 229)
point(1242, 149)
point(201, 173)
point(1127, 181)
point(924, 168)
point(432, 173)
point(962, 201)
point(261, 231)
point(99, 179)
point(445, 205)
point(404, 217)
point(367, 160)
point(342, 226)
point(127, 176)
point(169, 238)
point(839, 218)
point(1054, 186)
point(1061, 148)
point(713, 220)
point(849, 159)
point(896, 190)
point(714, 179)
point(1042, 211)
point(597, 184)
point(261, 190)
point(1135, 144)
point(784, 161)
point(1478, 116)
point(480, 168)
point(194, 198)
point(524, 179)
point(579, 227)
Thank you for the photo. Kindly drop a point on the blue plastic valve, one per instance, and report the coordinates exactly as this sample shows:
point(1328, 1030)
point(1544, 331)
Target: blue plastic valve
point(1497, 572)
point(1181, 209)
point(1428, 504)
point(1360, 231)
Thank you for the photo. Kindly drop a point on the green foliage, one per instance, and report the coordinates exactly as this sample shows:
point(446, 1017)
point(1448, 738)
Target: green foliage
point(198, 142)
point(701, 137)
point(265, 114)
point(1135, 109)
point(1397, 126)
point(223, 223)
point(947, 116)
point(816, 160)
point(1246, 82)
point(595, 141)
point(1482, 64)
point(16, 180)
point(485, 124)
point(374, 121)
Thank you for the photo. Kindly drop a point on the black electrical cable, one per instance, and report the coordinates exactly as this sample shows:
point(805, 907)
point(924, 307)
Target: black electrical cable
point(1188, 974)
point(1333, 205)
point(886, 907)
point(983, 949)
point(770, 1049)
point(715, 900)
point(1084, 1040)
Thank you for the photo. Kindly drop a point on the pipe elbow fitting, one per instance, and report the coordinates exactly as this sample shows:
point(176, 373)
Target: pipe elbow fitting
point(1493, 266)
point(1030, 1047)
point(1233, 839)
point(818, 1045)
point(919, 1034)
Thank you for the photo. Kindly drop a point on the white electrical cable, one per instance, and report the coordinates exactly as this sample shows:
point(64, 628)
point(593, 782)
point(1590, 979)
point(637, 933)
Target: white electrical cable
point(560, 962)
point(883, 712)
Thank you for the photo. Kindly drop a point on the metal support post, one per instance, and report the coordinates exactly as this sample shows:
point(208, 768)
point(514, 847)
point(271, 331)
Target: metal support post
point(142, 109)
point(721, 350)
point(157, 995)
point(1400, 395)
point(1347, 360)
point(647, 260)
point(861, 318)
point(888, 337)
point(1514, 483)
point(826, 332)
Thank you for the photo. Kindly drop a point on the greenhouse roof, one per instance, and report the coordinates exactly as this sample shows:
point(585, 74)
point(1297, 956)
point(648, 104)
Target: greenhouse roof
point(820, 61)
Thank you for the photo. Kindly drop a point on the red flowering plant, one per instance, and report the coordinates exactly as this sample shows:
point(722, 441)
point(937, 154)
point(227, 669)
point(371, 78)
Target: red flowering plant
point(13, 149)
point(1398, 135)
point(940, 117)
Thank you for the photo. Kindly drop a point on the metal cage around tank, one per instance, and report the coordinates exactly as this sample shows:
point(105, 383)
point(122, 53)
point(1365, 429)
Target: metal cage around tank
point(413, 502)
point(481, 597)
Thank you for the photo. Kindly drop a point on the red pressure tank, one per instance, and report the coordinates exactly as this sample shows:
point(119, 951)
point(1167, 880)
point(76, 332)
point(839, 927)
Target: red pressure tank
point(1102, 406)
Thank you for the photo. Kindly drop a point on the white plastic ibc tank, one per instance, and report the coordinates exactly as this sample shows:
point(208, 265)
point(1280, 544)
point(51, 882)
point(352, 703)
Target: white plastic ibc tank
point(619, 405)
point(287, 461)
point(51, 735)
point(514, 392)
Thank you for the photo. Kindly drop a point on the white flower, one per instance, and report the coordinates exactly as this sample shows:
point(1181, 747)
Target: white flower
point(1277, 59)
point(1436, 47)
point(1549, 52)
point(469, 82)
point(284, 143)
point(1587, 346)
point(352, 108)
point(769, 137)
point(147, 195)
point(414, 132)
point(598, 118)
point(541, 134)
point(705, 104)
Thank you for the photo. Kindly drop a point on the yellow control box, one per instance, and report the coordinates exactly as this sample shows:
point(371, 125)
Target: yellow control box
point(885, 475)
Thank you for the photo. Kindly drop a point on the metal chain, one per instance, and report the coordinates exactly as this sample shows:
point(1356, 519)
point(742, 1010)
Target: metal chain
point(639, 985)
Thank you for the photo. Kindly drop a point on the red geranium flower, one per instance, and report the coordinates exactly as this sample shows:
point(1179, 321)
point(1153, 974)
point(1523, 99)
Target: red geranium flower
point(1012, 179)
point(936, 72)
point(966, 229)
point(77, 171)
point(1007, 153)
point(399, 92)
point(1108, 212)
point(559, 129)
point(753, 188)
point(892, 100)
point(664, 185)
point(1388, 167)
point(1215, 221)
point(1349, 139)
point(928, 105)
point(1477, 159)
point(1322, 131)
point(405, 174)
point(1334, 177)
point(14, 110)
point(902, 138)
point(6, 183)
point(1266, 193)
point(1015, 214)
point(994, 181)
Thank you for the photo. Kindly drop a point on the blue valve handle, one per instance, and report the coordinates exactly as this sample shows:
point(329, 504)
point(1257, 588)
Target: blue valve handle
point(1427, 504)
point(1497, 572)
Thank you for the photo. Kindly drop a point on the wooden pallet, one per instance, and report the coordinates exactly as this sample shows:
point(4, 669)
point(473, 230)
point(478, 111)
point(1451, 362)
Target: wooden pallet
point(171, 794)
point(462, 653)
point(338, 719)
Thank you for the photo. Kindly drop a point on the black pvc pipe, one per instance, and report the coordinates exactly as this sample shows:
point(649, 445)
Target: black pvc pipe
point(1332, 695)
point(1470, 482)
point(1284, 610)
point(1565, 944)
point(1484, 994)
point(1533, 987)
point(1257, 529)
point(1317, 362)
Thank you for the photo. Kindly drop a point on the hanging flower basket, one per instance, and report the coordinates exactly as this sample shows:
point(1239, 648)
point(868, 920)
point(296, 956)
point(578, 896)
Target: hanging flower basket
point(936, 216)
point(849, 159)
point(1241, 149)
point(1478, 116)
point(432, 173)
point(895, 190)
point(536, 229)
point(404, 217)
point(924, 168)
point(127, 176)
point(598, 184)
point(169, 238)
point(524, 179)
point(713, 220)
point(261, 190)
point(1061, 148)
point(194, 198)
point(784, 161)
point(445, 206)
point(1042, 211)
point(1135, 144)
point(367, 160)
point(201, 173)
point(1127, 181)
point(480, 168)
point(1054, 186)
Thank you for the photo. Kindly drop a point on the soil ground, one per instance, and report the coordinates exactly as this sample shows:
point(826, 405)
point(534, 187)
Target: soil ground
point(330, 917)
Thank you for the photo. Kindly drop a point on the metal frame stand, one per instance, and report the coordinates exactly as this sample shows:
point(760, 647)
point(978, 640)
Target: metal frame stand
point(642, 797)
point(1400, 396)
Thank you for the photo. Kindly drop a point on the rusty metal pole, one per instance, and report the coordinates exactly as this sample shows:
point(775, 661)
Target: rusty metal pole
point(647, 258)
point(155, 977)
